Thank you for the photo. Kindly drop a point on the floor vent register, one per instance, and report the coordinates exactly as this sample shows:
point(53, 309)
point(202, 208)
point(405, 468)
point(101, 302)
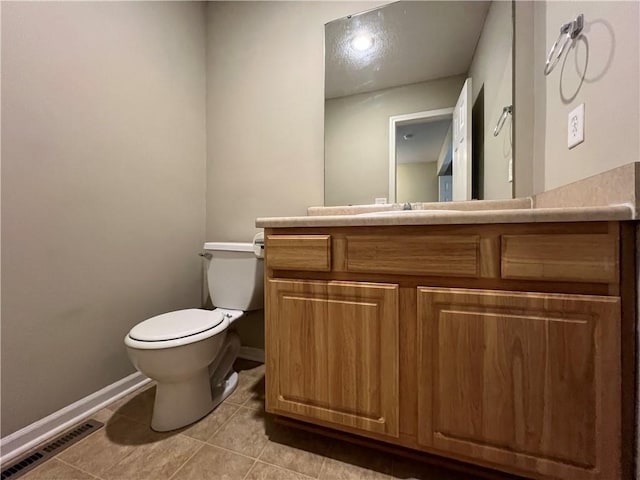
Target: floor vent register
point(35, 458)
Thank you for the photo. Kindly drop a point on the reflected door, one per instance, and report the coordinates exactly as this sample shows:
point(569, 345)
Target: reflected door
point(462, 170)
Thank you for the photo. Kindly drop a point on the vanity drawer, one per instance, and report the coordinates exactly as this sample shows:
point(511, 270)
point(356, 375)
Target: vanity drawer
point(586, 258)
point(299, 252)
point(437, 255)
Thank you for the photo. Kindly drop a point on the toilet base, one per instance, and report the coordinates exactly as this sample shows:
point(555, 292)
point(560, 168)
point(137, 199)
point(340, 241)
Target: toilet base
point(178, 404)
point(230, 384)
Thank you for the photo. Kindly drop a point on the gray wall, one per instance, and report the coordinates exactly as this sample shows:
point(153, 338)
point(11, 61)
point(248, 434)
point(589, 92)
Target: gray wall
point(492, 68)
point(103, 189)
point(603, 72)
point(524, 65)
point(356, 132)
point(265, 97)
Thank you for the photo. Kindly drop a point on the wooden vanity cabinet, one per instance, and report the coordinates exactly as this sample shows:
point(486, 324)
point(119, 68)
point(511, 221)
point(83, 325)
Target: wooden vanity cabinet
point(499, 345)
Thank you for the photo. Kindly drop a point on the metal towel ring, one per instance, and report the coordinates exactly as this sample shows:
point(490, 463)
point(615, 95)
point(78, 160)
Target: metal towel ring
point(506, 111)
point(568, 32)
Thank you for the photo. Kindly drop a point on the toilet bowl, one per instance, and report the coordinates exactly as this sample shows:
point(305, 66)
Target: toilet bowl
point(190, 353)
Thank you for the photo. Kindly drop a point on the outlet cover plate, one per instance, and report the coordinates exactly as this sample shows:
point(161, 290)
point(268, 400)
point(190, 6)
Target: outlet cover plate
point(575, 126)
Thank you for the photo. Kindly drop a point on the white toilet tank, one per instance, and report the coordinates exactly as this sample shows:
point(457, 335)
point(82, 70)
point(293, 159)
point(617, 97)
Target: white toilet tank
point(235, 276)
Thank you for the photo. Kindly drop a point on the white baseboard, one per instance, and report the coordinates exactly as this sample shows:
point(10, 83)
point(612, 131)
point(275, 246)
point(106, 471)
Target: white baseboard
point(39, 432)
point(251, 353)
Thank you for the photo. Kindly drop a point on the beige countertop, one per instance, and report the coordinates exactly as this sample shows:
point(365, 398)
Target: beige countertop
point(455, 217)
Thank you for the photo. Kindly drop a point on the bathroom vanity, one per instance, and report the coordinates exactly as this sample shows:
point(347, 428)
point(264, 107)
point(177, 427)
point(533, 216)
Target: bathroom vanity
point(502, 338)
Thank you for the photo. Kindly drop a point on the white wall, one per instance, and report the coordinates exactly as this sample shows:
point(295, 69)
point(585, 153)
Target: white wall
point(603, 72)
point(356, 132)
point(492, 68)
point(265, 98)
point(103, 189)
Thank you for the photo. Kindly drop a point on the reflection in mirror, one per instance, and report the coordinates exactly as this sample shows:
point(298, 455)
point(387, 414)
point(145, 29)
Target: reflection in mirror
point(420, 156)
point(385, 66)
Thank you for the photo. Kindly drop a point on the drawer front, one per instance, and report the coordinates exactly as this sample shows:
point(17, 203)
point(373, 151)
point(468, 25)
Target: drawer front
point(440, 255)
point(299, 252)
point(587, 258)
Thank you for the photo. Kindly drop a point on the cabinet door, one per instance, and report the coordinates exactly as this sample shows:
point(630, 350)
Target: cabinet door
point(525, 380)
point(332, 353)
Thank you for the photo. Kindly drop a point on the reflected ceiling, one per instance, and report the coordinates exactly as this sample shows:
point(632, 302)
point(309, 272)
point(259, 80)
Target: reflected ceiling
point(412, 42)
point(421, 142)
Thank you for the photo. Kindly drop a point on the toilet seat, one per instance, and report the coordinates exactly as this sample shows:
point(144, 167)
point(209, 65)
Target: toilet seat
point(177, 328)
point(174, 325)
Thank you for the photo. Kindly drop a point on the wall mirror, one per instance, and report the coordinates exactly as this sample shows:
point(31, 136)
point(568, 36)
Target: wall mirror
point(413, 93)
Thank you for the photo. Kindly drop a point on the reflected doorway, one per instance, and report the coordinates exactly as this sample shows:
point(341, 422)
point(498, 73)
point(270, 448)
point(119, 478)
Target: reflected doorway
point(420, 156)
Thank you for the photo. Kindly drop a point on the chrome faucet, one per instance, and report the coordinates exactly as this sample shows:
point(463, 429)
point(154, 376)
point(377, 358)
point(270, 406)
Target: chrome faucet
point(407, 206)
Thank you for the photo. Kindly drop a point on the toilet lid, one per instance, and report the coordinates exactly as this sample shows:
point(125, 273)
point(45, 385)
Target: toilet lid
point(178, 324)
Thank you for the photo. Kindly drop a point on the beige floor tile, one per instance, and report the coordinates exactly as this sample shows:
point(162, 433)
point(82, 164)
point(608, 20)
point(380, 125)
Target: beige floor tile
point(244, 433)
point(257, 395)
point(222, 446)
point(109, 445)
point(54, 469)
point(206, 427)
point(212, 463)
point(297, 450)
point(249, 387)
point(261, 471)
point(154, 461)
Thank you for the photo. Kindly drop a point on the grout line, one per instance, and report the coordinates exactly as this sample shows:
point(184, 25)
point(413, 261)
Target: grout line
point(259, 460)
point(78, 468)
point(249, 471)
point(223, 424)
point(256, 460)
point(186, 461)
point(230, 451)
point(79, 443)
point(324, 461)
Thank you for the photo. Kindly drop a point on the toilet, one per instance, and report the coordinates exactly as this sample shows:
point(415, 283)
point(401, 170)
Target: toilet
point(190, 353)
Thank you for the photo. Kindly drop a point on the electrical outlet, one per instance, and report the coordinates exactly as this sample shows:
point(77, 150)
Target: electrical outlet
point(575, 126)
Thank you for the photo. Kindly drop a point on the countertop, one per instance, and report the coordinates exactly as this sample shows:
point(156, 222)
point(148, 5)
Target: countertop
point(456, 217)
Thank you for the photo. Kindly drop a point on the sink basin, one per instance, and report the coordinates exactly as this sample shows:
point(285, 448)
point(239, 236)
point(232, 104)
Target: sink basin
point(387, 213)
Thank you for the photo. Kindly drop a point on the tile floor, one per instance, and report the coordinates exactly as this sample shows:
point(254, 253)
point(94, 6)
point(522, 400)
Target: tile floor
point(228, 444)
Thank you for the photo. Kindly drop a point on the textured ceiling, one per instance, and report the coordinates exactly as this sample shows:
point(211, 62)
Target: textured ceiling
point(414, 41)
point(425, 142)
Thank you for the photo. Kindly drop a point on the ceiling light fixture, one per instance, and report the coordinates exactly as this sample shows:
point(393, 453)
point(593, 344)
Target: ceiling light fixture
point(362, 42)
